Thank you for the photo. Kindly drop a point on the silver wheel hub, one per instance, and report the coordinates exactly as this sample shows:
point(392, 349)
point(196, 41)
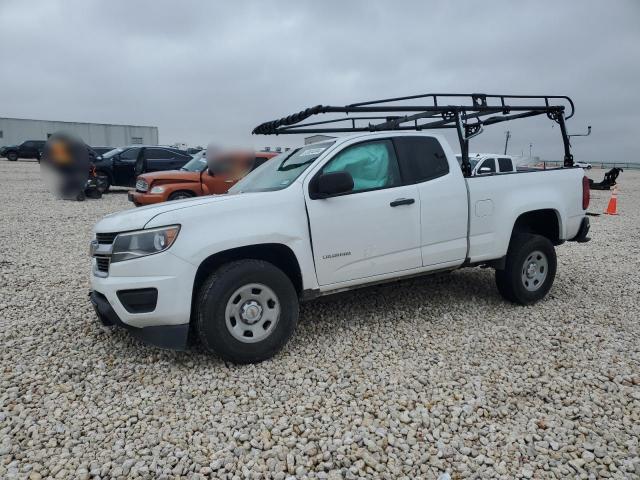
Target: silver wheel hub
point(534, 270)
point(252, 312)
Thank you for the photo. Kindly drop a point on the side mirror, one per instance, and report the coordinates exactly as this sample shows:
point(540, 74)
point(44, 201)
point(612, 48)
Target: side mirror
point(484, 170)
point(334, 183)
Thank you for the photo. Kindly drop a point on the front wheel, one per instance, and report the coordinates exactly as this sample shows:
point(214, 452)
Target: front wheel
point(530, 269)
point(246, 311)
point(12, 156)
point(180, 195)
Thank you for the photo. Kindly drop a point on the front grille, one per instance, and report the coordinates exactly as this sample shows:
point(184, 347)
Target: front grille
point(106, 238)
point(103, 263)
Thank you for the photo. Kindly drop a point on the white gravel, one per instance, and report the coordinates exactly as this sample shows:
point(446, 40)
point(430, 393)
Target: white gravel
point(420, 379)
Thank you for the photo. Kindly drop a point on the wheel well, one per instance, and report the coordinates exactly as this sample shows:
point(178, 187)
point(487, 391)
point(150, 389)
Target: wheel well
point(279, 255)
point(106, 173)
point(184, 190)
point(540, 222)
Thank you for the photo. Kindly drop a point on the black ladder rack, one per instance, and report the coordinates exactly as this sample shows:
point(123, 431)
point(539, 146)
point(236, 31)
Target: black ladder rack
point(468, 118)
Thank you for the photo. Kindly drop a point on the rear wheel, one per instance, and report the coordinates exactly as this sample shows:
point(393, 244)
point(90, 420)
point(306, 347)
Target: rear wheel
point(246, 311)
point(530, 269)
point(180, 195)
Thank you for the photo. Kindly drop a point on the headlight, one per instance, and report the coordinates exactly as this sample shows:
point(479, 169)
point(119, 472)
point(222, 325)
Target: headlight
point(142, 186)
point(157, 190)
point(143, 242)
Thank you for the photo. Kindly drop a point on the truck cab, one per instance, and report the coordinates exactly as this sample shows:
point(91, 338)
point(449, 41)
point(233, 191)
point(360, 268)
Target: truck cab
point(490, 163)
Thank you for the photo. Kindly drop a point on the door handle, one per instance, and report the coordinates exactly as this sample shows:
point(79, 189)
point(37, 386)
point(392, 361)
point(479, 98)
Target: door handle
point(402, 201)
point(228, 181)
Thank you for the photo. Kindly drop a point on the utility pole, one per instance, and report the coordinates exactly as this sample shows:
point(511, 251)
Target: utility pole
point(506, 140)
point(530, 147)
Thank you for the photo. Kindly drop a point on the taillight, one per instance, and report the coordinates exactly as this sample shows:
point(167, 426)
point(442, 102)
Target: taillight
point(586, 194)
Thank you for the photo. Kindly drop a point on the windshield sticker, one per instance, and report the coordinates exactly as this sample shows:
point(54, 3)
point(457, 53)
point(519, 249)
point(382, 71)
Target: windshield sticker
point(313, 151)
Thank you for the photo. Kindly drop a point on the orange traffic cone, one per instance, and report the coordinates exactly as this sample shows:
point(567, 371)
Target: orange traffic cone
point(612, 208)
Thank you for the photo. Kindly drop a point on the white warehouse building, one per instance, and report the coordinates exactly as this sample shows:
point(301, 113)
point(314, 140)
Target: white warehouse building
point(17, 130)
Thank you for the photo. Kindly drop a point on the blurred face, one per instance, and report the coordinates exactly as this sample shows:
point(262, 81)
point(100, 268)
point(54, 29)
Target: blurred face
point(232, 164)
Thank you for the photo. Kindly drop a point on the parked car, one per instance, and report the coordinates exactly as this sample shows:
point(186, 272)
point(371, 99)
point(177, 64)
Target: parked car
point(585, 165)
point(489, 163)
point(121, 166)
point(27, 149)
point(192, 180)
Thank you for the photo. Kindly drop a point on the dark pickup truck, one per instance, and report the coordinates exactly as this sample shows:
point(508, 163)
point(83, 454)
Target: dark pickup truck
point(121, 166)
point(27, 149)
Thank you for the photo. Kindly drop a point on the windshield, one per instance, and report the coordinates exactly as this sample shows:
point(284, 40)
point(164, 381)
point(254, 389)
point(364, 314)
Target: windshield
point(111, 153)
point(280, 171)
point(197, 164)
point(472, 161)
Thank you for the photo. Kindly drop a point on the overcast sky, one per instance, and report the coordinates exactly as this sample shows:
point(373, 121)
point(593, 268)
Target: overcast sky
point(205, 71)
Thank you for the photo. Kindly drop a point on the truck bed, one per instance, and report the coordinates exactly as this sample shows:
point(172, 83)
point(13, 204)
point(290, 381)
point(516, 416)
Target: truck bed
point(496, 201)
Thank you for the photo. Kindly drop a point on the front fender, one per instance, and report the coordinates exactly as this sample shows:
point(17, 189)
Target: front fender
point(244, 220)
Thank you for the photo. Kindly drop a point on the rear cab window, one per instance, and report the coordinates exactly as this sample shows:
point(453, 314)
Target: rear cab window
point(421, 158)
point(505, 165)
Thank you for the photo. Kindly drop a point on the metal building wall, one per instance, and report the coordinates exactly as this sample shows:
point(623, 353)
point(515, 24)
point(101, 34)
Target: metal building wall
point(17, 130)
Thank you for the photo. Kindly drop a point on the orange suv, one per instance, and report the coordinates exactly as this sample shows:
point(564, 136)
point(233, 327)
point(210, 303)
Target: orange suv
point(192, 180)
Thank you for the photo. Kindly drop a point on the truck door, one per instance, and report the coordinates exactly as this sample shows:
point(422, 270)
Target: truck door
point(443, 199)
point(372, 230)
point(124, 167)
point(215, 184)
point(160, 159)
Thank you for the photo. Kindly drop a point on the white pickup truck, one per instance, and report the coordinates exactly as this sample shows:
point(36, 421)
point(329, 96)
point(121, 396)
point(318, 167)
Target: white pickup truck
point(358, 210)
point(489, 163)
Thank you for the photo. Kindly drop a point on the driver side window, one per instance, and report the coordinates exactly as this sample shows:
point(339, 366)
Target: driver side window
point(129, 155)
point(373, 165)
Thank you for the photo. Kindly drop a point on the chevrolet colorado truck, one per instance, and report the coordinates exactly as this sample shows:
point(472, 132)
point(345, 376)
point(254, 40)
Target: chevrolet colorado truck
point(381, 204)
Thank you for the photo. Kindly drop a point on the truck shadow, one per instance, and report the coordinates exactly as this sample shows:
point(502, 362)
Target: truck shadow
point(454, 290)
point(425, 299)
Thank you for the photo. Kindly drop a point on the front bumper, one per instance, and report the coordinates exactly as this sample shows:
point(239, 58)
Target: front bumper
point(139, 198)
point(174, 337)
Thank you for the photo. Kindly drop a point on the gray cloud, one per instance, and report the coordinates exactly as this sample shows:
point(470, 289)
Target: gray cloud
point(204, 71)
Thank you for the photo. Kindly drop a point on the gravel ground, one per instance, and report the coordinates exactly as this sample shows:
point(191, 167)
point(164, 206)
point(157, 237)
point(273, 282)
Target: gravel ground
point(427, 378)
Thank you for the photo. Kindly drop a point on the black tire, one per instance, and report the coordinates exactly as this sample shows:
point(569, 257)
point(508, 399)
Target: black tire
point(181, 195)
point(12, 156)
point(215, 297)
point(81, 197)
point(105, 182)
point(514, 283)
